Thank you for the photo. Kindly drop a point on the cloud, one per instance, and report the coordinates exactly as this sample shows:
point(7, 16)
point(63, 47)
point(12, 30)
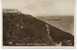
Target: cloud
point(41, 7)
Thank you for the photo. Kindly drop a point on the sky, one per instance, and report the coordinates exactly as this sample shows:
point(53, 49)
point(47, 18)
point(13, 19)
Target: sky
point(41, 7)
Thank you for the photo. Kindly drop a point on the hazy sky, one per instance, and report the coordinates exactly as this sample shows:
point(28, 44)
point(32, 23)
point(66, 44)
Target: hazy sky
point(41, 7)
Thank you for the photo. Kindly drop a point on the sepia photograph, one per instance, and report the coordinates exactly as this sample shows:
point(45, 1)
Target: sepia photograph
point(38, 23)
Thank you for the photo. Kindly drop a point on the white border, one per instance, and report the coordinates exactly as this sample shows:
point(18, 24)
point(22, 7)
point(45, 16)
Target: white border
point(0, 24)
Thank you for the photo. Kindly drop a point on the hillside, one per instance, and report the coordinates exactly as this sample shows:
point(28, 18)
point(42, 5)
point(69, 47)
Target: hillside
point(25, 30)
